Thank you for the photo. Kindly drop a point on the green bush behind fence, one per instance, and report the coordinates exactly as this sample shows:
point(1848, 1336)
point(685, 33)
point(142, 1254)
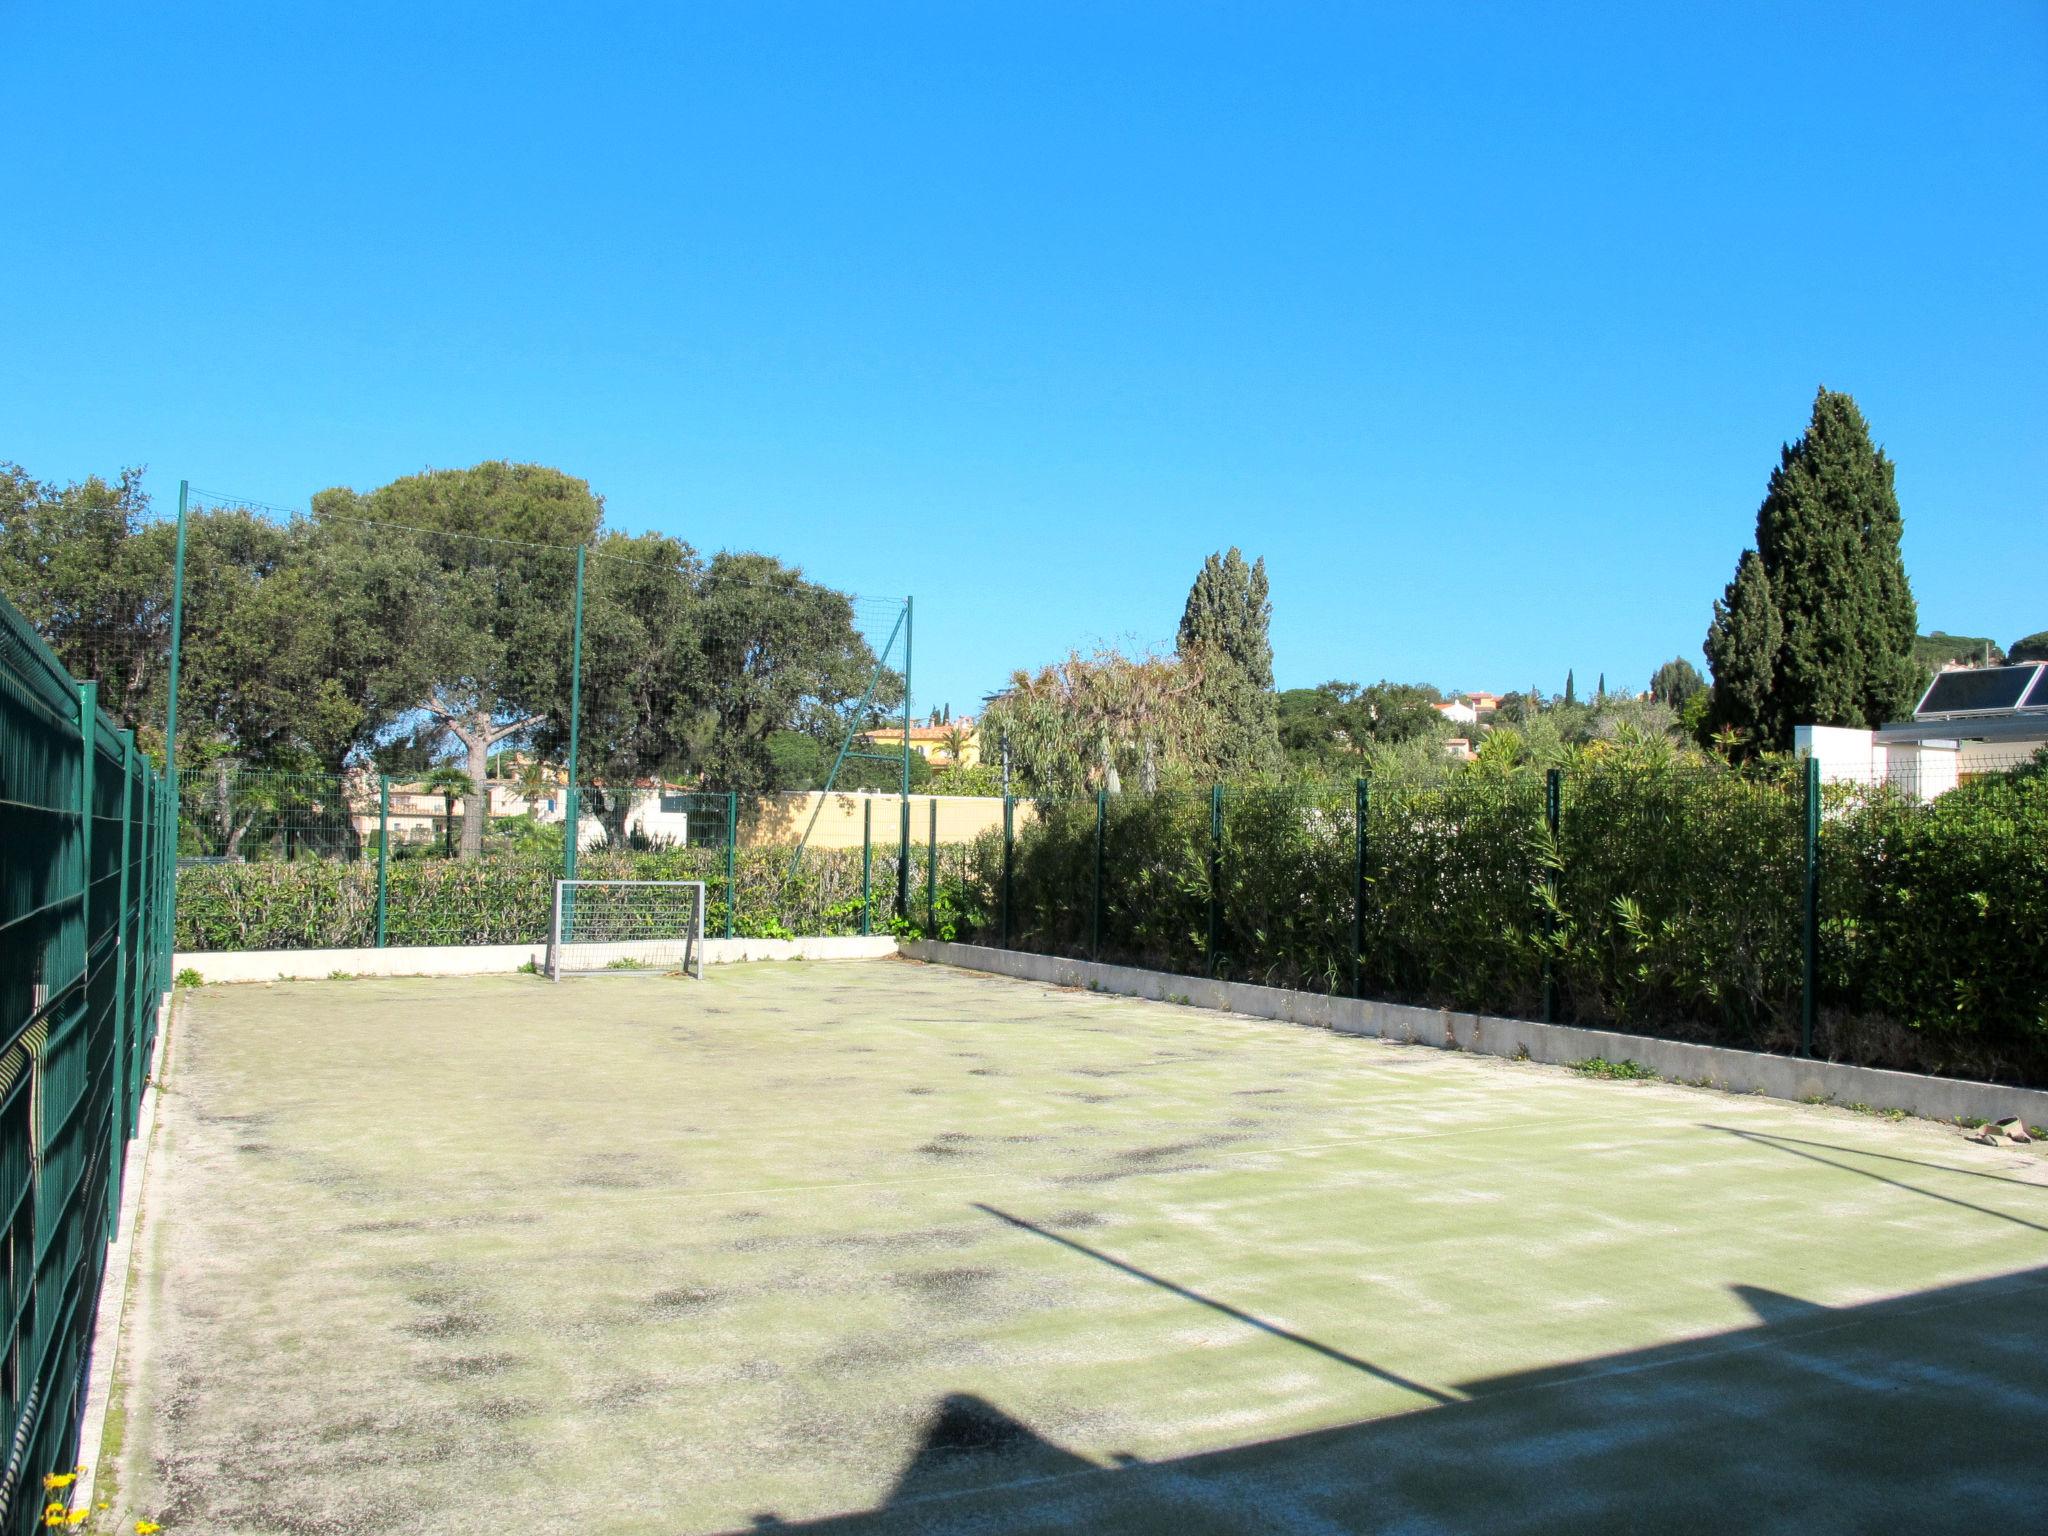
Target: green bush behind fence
point(332, 904)
point(1624, 890)
point(1665, 899)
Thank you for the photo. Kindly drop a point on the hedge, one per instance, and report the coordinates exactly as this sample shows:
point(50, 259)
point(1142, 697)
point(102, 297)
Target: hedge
point(330, 904)
point(1670, 902)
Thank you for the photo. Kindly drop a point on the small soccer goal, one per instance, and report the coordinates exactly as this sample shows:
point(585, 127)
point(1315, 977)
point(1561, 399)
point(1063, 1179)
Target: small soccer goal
point(649, 926)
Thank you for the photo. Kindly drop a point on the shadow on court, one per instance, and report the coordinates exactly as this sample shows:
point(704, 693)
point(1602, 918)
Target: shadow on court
point(1926, 1412)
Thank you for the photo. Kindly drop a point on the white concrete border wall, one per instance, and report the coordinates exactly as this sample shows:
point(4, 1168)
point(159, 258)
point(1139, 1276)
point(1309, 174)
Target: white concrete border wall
point(481, 959)
point(1777, 1077)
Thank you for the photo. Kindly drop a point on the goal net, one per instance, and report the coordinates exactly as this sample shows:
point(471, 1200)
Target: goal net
point(627, 925)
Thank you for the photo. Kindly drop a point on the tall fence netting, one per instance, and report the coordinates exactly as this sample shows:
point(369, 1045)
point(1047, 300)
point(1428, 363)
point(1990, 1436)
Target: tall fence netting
point(85, 892)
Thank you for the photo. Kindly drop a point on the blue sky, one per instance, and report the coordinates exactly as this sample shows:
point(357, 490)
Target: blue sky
point(1483, 324)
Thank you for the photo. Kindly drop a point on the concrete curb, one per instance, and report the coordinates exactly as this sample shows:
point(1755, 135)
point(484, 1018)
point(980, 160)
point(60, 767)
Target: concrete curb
point(1736, 1071)
point(484, 959)
point(104, 1352)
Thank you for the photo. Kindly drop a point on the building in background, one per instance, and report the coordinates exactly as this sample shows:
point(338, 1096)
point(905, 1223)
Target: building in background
point(1970, 722)
point(953, 745)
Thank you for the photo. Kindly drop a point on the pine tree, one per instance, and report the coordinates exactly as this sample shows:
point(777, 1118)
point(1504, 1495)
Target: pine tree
point(1742, 649)
point(1827, 537)
point(1224, 629)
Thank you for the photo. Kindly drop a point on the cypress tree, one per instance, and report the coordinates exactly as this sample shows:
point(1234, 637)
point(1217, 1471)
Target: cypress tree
point(1742, 649)
point(1827, 539)
point(1571, 687)
point(1225, 629)
point(1600, 693)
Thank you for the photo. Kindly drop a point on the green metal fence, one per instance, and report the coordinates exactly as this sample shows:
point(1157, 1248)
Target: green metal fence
point(1754, 907)
point(327, 861)
point(85, 926)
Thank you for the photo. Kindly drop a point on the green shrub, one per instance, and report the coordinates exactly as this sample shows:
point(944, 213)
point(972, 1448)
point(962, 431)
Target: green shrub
point(1669, 902)
point(1933, 918)
point(1619, 1071)
point(329, 904)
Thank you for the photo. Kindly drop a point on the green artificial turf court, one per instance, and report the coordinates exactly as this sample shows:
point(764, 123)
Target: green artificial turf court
point(887, 1247)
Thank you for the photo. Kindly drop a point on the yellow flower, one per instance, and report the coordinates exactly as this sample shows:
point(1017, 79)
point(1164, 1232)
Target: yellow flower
point(146, 1528)
point(53, 1514)
point(78, 1517)
point(60, 1479)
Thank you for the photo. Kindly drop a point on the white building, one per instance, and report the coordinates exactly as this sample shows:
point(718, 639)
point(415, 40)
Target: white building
point(1971, 721)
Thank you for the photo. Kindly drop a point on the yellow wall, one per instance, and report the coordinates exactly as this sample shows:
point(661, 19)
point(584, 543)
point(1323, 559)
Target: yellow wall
point(780, 819)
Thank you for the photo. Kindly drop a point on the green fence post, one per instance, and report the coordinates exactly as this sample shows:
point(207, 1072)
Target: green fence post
point(169, 809)
point(1009, 858)
point(1553, 807)
point(1215, 872)
point(732, 846)
point(572, 800)
point(931, 873)
point(1362, 793)
point(903, 864)
point(1095, 912)
point(177, 635)
point(88, 741)
point(383, 854)
point(145, 899)
point(123, 1003)
point(1809, 988)
point(867, 854)
point(903, 842)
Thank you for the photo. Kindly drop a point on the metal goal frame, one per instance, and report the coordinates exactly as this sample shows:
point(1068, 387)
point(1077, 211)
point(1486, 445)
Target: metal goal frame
point(560, 962)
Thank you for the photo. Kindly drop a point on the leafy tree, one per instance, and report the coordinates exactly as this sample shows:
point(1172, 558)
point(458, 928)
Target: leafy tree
point(1676, 682)
point(2032, 647)
point(796, 760)
point(496, 546)
point(1333, 726)
point(778, 653)
point(858, 773)
point(1742, 649)
point(72, 562)
point(1089, 721)
point(645, 700)
point(1224, 632)
point(1828, 538)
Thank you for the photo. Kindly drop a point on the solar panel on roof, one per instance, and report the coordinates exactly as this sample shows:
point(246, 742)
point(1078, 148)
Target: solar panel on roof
point(2038, 699)
point(1969, 689)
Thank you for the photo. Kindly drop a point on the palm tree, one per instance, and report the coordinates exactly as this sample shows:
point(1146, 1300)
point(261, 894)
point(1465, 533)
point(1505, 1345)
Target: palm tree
point(535, 780)
point(954, 745)
point(452, 784)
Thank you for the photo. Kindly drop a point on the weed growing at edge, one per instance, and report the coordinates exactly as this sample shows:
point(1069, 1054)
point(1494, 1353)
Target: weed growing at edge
point(188, 977)
point(1619, 1071)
